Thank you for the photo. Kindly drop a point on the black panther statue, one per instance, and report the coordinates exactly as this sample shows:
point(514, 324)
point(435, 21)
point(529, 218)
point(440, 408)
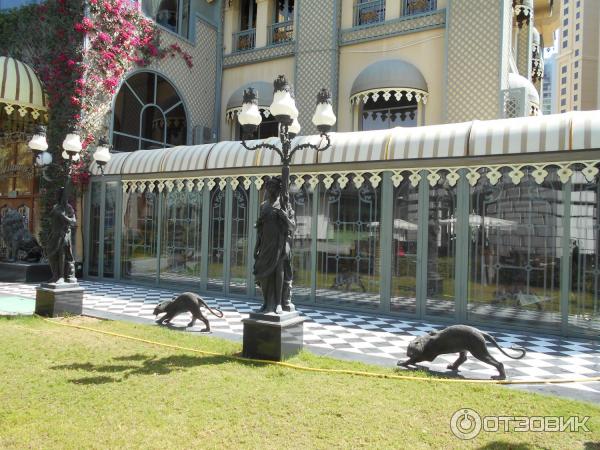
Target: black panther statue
point(453, 339)
point(186, 302)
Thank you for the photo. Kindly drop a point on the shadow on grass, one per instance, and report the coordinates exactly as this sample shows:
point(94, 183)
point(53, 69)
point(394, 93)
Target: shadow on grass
point(148, 366)
point(426, 371)
point(500, 445)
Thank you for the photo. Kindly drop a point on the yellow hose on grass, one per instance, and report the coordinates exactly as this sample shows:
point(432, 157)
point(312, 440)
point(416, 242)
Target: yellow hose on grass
point(334, 371)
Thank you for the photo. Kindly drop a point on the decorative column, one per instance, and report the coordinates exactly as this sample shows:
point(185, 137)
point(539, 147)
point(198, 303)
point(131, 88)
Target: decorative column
point(393, 9)
point(316, 55)
point(347, 14)
point(264, 11)
point(231, 13)
point(524, 35)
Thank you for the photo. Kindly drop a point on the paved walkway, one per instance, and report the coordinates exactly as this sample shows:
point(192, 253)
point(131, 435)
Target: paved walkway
point(364, 337)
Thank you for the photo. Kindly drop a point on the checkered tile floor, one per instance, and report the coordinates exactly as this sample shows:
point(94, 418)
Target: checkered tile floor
point(361, 333)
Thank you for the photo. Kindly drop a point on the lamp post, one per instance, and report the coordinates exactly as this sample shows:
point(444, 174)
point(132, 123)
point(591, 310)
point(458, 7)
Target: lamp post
point(275, 331)
point(284, 110)
point(62, 294)
point(62, 216)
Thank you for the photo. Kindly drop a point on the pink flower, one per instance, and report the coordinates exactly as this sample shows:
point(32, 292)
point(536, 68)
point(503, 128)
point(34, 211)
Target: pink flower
point(108, 56)
point(71, 63)
point(111, 83)
point(87, 23)
point(103, 37)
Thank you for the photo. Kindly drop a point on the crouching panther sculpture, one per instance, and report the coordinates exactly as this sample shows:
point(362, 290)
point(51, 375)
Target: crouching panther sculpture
point(21, 245)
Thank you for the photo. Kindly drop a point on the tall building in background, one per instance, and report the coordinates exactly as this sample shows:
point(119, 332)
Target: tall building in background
point(549, 84)
point(578, 54)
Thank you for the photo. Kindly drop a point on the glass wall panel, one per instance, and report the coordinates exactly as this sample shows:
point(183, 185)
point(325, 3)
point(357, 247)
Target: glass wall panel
point(140, 229)
point(95, 230)
point(239, 241)
point(515, 250)
point(181, 237)
point(302, 201)
point(216, 240)
point(584, 304)
point(441, 249)
point(110, 204)
point(404, 248)
point(348, 231)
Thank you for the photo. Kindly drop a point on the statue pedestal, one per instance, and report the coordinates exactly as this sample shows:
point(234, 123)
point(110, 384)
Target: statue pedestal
point(53, 300)
point(22, 272)
point(273, 337)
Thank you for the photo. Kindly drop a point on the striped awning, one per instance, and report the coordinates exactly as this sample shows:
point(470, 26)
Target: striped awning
point(20, 89)
point(356, 146)
point(532, 135)
point(585, 128)
point(437, 141)
point(560, 132)
point(144, 161)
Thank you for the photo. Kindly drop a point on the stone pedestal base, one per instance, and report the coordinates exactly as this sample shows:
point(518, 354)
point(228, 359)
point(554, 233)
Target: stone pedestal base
point(54, 300)
point(21, 272)
point(273, 337)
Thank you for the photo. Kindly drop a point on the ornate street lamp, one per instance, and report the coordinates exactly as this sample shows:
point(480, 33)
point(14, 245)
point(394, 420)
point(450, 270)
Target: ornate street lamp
point(285, 111)
point(275, 331)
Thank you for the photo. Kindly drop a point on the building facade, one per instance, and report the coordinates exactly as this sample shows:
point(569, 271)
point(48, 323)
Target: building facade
point(578, 56)
point(444, 196)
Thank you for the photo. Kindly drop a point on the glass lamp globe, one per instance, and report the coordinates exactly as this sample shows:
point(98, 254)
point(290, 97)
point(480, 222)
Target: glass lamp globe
point(72, 143)
point(283, 106)
point(324, 117)
point(294, 129)
point(72, 156)
point(102, 154)
point(38, 143)
point(249, 118)
point(43, 159)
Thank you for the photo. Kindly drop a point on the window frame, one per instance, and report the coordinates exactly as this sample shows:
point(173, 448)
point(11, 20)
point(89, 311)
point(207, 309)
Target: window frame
point(144, 106)
point(179, 26)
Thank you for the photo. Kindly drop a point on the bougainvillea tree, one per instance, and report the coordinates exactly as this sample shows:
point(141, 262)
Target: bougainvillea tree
point(81, 55)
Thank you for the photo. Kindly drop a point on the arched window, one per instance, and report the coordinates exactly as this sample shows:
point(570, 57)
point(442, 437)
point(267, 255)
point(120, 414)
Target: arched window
point(382, 114)
point(148, 114)
point(388, 93)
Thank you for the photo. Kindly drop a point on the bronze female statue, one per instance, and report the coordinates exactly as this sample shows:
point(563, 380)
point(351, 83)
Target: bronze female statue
point(272, 253)
point(58, 248)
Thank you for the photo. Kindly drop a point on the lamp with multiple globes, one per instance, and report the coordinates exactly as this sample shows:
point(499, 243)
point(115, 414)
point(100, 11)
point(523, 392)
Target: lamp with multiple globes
point(285, 112)
point(71, 148)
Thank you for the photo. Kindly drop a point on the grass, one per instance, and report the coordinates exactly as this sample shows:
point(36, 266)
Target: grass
point(69, 388)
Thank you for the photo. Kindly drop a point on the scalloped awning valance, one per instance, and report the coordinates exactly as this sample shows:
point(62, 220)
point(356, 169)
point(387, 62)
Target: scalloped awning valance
point(387, 78)
point(20, 89)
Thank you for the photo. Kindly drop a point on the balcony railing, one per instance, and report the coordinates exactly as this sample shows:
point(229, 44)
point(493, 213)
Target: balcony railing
point(281, 32)
point(366, 13)
point(244, 40)
point(412, 7)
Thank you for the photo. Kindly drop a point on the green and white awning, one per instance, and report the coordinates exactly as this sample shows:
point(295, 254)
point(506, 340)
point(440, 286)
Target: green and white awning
point(20, 90)
point(471, 145)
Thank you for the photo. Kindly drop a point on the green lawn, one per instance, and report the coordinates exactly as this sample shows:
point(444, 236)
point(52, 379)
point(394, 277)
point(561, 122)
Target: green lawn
point(69, 388)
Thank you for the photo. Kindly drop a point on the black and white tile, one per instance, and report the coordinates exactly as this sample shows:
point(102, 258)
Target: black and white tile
point(548, 357)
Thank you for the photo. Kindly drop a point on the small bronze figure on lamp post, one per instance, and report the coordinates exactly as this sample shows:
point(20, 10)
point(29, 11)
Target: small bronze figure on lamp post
point(276, 224)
